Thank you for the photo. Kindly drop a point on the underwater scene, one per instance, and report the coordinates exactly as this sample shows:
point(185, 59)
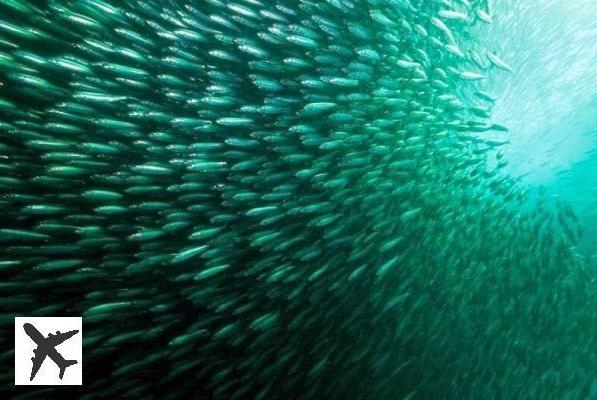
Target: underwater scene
point(301, 199)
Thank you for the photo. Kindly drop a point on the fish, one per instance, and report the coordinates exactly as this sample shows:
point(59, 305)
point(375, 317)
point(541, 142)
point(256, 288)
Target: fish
point(498, 62)
point(281, 200)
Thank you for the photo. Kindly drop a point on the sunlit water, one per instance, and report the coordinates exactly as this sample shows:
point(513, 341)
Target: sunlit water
point(549, 102)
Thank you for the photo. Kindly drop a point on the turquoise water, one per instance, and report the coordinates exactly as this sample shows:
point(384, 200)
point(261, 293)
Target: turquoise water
point(331, 199)
point(550, 102)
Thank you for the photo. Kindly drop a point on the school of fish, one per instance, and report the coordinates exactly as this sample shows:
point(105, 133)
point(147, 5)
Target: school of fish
point(279, 199)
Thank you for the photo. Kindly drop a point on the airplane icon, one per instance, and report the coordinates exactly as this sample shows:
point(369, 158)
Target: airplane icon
point(47, 347)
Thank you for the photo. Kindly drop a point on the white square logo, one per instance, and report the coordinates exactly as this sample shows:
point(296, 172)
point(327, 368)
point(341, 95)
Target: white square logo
point(48, 351)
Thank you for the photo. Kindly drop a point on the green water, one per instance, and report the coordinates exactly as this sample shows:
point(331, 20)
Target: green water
point(250, 199)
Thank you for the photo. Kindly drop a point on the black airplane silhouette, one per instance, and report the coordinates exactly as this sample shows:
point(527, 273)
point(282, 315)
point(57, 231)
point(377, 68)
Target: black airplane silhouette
point(47, 347)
